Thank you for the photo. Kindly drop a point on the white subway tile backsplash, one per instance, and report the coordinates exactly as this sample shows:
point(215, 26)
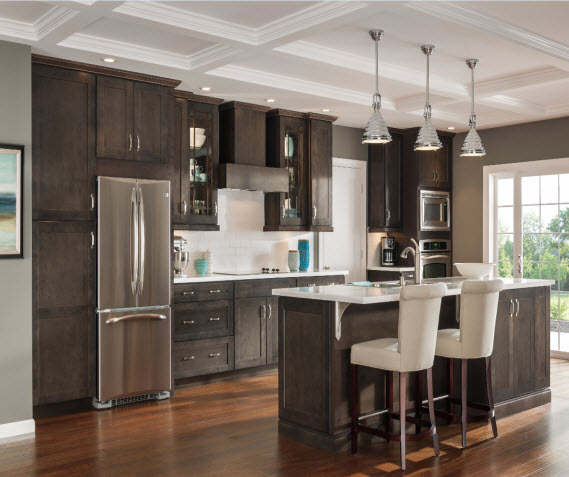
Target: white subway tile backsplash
point(241, 243)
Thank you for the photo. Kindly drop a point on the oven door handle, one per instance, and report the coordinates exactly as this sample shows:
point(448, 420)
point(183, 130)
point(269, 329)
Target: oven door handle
point(435, 257)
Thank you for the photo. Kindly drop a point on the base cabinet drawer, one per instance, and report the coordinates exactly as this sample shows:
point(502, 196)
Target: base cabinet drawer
point(189, 292)
point(194, 358)
point(199, 320)
point(320, 281)
point(262, 287)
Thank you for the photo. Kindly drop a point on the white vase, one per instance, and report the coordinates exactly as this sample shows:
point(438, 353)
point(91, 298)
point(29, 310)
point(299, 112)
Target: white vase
point(293, 260)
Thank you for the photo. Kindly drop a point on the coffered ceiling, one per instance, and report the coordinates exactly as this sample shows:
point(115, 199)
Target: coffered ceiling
point(310, 56)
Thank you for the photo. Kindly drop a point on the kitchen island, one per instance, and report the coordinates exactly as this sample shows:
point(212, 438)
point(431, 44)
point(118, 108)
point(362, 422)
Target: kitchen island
point(318, 325)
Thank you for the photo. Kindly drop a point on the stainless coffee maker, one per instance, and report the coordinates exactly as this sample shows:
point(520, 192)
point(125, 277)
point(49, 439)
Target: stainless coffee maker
point(181, 257)
point(388, 255)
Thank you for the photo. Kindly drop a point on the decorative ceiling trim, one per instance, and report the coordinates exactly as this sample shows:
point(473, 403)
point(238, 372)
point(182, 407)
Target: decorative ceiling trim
point(516, 105)
point(106, 46)
point(272, 80)
point(38, 29)
point(558, 109)
point(343, 59)
point(188, 20)
point(466, 17)
point(417, 101)
point(521, 80)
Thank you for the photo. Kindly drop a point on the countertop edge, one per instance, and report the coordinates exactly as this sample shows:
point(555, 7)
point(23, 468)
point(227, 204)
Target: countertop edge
point(231, 278)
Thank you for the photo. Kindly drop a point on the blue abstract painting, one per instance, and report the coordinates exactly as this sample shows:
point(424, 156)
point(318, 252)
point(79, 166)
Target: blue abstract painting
point(10, 202)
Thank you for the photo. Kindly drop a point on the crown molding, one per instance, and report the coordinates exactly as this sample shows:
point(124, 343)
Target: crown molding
point(272, 80)
point(521, 80)
point(364, 64)
point(558, 109)
point(38, 29)
point(188, 20)
point(470, 18)
point(515, 105)
point(105, 46)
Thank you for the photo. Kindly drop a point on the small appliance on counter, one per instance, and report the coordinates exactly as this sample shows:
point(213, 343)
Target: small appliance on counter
point(181, 256)
point(388, 255)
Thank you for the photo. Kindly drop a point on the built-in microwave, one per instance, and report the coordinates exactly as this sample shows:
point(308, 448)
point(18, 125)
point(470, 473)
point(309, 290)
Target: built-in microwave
point(435, 210)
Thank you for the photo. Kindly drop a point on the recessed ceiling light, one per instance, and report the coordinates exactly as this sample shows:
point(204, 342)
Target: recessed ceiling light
point(205, 88)
point(109, 60)
point(270, 100)
point(325, 110)
point(451, 128)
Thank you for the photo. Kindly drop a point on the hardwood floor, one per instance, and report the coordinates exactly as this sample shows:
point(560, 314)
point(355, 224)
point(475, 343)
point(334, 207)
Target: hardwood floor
point(230, 429)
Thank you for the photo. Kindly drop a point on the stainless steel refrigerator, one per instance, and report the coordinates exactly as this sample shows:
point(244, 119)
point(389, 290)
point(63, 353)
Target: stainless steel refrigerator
point(134, 322)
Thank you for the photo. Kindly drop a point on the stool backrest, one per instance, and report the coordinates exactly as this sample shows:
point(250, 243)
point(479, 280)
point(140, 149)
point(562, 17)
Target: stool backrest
point(419, 311)
point(478, 309)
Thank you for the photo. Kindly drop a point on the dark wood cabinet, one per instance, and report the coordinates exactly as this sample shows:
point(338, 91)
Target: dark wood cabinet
point(201, 357)
point(63, 117)
point(320, 168)
point(194, 172)
point(132, 120)
point(272, 329)
point(384, 185)
point(250, 332)
point(64, 302)
point(434, 165)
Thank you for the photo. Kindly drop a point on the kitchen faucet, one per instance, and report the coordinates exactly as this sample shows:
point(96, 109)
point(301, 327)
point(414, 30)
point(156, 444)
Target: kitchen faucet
point(416, 252)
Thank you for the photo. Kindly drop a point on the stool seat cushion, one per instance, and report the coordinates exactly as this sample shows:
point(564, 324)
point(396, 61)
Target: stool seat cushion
point(448, 343)
point(380, 354)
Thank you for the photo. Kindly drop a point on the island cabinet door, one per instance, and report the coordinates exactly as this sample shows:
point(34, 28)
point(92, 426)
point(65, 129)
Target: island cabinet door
point(250, 332)
point(501, 356)
point(541, 339)
point(523, 355)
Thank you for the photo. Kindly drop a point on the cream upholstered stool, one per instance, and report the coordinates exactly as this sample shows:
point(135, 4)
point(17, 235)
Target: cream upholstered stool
point(474, 339)
point(412, 351)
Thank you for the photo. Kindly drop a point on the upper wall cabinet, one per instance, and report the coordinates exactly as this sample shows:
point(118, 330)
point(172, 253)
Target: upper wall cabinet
point(384, 185)
point(132, 120)
point(194, 177)
point(434, 165)
point(301, 143)
point(63, 117)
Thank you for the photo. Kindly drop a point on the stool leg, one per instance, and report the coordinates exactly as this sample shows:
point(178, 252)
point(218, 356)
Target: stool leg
point(389, 400)
point(355, 408)
point(418, 399)
point(402, 406)
point(450, 383)
point(490, 396)
point(463, 397)
point(432, 410)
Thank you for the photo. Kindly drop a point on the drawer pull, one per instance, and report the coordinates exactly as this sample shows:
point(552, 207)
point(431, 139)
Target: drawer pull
point(311, 284)
point(214, 355)
point(214, 318)
point(186, 293)
point(215, 291)
point(188, 358)
point(188, 322)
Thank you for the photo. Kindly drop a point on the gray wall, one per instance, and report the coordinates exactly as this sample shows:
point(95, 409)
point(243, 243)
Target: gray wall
point(347, 143)
point(16, 274)
point(519, 143)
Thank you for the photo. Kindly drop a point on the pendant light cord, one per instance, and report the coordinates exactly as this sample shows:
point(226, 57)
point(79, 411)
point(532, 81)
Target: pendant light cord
point(472, 91)
point(427, 105)
point(376, 67)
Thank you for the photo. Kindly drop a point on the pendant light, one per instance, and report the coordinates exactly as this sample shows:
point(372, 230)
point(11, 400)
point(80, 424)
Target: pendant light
point(428, 139)
point(376, 130)
point(472, 146)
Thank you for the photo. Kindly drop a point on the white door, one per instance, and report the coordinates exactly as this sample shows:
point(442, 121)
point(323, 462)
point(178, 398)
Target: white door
point(344, 249)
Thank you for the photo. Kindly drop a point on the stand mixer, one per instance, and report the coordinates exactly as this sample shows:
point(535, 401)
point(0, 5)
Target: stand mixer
point(181, 257)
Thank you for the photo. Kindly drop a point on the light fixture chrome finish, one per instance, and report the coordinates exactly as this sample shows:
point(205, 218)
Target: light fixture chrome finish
point(376, 131)
point(428, 139)
point(472, 146)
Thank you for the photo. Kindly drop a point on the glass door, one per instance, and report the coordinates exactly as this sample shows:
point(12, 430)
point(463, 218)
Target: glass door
point(293, 202)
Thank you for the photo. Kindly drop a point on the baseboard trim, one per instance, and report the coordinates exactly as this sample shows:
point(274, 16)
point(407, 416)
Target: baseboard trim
point(17, 430)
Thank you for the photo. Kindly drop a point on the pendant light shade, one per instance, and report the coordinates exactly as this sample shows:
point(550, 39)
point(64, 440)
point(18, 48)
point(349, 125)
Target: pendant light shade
point(472, 146)
point(376, 131)
point(428, 139)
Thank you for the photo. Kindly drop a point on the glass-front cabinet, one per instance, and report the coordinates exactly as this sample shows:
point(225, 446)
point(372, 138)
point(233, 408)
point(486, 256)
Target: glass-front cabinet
point(194, 181)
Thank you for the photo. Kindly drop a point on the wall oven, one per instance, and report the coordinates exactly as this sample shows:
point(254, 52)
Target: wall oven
point(435, 210)
point(435, 258)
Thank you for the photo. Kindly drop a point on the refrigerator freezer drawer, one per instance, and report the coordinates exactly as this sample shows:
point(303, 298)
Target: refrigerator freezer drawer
point(134, 352)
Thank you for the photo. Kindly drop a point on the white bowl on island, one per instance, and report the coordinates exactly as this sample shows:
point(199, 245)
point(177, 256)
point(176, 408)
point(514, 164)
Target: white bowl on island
point(475, 270)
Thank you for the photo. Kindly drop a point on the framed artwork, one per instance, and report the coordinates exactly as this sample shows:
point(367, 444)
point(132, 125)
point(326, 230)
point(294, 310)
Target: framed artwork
point(11, 201)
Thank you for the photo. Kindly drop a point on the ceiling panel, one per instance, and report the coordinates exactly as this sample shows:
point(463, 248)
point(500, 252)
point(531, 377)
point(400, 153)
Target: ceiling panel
point(27, 12)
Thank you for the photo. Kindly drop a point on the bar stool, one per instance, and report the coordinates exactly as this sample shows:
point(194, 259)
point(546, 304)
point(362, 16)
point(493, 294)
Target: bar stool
point(412, 351)
point(474, 339)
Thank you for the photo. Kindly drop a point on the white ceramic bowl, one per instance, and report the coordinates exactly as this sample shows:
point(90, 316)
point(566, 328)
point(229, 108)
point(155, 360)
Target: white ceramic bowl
point(474, 270)
point(200, 139)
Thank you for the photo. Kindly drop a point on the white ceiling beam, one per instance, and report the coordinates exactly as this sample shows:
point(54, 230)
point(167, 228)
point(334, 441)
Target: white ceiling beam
point(527, 79)
point(516, 105)
point(38, 29)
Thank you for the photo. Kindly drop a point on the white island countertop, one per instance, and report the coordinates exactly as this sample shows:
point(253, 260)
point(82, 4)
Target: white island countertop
point(369, 295)
point(227, 277)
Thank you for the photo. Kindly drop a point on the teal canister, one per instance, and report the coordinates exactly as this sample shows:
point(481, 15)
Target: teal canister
point(293, 260)
point(304, 251)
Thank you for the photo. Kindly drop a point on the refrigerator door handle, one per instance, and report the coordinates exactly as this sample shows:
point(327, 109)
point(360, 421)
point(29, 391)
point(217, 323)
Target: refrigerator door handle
point(133, 242)
point(138, 316)
point(142, 241)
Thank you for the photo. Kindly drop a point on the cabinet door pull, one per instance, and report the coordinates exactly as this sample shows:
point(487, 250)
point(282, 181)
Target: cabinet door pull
point(188, 322)
point(130, 142)
point(314, 209)
point(511, 308)
point(388, 215)
point(188, 358)
point(214, 355)
point(215, 207)
point(137, 143)
point(215, 291)
point(185, 293)
point(263, 311)
point(214, 318)
point(184, 207)
point(270, 308)
point(92, 240)
point(434, 176)
point(311, 284)
point(283, 211)
point(517, 308)
point(92, 201)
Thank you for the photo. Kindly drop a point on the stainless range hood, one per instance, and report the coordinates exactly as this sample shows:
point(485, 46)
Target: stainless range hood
point(245, 177)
